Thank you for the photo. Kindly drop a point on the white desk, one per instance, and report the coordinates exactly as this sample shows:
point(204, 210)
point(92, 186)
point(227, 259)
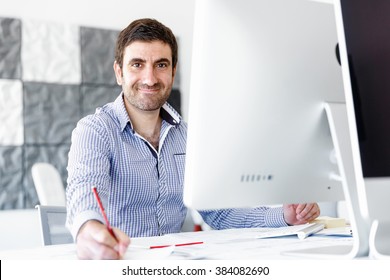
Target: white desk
point(218, 253)
point(217, 245)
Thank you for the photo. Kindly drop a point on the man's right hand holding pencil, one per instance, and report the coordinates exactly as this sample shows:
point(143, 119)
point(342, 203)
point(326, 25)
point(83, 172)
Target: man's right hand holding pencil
point(94, 241)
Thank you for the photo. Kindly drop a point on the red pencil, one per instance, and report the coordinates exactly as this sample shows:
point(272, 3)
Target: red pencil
point(109, 228)
point(176, 245)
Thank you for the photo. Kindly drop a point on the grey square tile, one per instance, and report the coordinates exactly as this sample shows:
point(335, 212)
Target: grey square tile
point(10, 48)
point(11, 174)
point(54, 154)
point(177, 81)
point(97, 96)
point(51, 112)
point(98, 55)
point(175, 100)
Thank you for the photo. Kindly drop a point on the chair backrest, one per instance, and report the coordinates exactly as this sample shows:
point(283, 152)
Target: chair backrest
point(52, 220)
point(48, 184)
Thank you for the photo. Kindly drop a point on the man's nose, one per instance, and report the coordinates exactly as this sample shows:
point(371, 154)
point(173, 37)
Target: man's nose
point(149, 76)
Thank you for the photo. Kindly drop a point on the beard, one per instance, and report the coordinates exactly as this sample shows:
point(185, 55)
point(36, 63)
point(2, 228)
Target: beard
point(147, 102)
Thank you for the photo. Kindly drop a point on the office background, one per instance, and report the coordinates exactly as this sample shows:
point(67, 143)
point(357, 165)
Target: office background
point(56, 67)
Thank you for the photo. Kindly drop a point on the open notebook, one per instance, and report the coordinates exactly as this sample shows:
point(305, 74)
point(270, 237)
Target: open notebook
point(302, 231)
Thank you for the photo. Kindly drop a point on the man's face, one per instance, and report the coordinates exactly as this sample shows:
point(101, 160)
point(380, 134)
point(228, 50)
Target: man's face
point(147, 74)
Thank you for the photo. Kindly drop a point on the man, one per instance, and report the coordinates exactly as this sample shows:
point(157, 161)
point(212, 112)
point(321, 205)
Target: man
point(133, 151)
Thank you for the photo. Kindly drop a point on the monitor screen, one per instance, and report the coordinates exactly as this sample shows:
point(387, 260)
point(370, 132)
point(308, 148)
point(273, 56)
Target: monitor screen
point(258, 133)
point(366, 27)
point(365, 57)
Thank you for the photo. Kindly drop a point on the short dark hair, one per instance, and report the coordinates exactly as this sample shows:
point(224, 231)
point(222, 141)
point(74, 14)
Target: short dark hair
point(146, 30)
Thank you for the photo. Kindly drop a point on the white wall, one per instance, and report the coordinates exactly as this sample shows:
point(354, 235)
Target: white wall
point(116, 14)
point(20, 229)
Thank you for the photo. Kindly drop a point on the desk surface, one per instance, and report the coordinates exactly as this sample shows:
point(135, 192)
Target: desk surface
point(217, 245)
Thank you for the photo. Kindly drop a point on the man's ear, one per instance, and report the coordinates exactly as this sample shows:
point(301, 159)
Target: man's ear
point(118, 73)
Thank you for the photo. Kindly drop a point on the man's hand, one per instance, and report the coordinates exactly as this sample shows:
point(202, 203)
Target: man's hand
point(95, 242)
point(297, 214)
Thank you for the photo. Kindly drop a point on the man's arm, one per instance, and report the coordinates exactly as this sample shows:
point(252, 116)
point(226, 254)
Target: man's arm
point(89, 166)
point(289, 214)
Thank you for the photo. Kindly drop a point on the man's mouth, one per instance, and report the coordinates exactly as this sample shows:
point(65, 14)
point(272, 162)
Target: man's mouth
point(149, 90)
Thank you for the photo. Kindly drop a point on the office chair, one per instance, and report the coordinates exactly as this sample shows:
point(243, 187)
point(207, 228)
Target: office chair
point(48, 184)
point(52, 220)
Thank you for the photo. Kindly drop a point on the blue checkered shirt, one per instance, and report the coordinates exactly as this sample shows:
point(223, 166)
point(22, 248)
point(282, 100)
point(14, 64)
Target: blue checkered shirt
point(141, 188)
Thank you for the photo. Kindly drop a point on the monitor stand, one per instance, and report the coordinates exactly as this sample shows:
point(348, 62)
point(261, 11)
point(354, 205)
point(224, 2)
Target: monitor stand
point(379, 240)
point(354, 195)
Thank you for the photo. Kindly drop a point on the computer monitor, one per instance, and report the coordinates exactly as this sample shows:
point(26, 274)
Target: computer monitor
point(267, 122)
point(365, 55)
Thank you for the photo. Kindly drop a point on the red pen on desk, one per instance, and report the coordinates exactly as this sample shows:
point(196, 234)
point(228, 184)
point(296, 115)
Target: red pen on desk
point(177, 245)
point(109, 228)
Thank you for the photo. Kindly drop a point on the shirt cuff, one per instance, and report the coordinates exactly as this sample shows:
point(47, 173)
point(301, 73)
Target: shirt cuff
point(274, 217)
point(81, 219)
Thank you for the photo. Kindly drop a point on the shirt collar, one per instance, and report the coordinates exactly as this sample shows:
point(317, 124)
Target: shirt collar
point(167, 112)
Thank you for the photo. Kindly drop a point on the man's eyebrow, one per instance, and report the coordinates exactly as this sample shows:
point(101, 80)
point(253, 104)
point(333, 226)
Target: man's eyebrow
point(140, 60)
point(165, 60)
point(136, 60)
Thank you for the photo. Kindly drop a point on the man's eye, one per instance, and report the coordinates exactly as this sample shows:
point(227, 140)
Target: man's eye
point(162, 65)
point(137, 65)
